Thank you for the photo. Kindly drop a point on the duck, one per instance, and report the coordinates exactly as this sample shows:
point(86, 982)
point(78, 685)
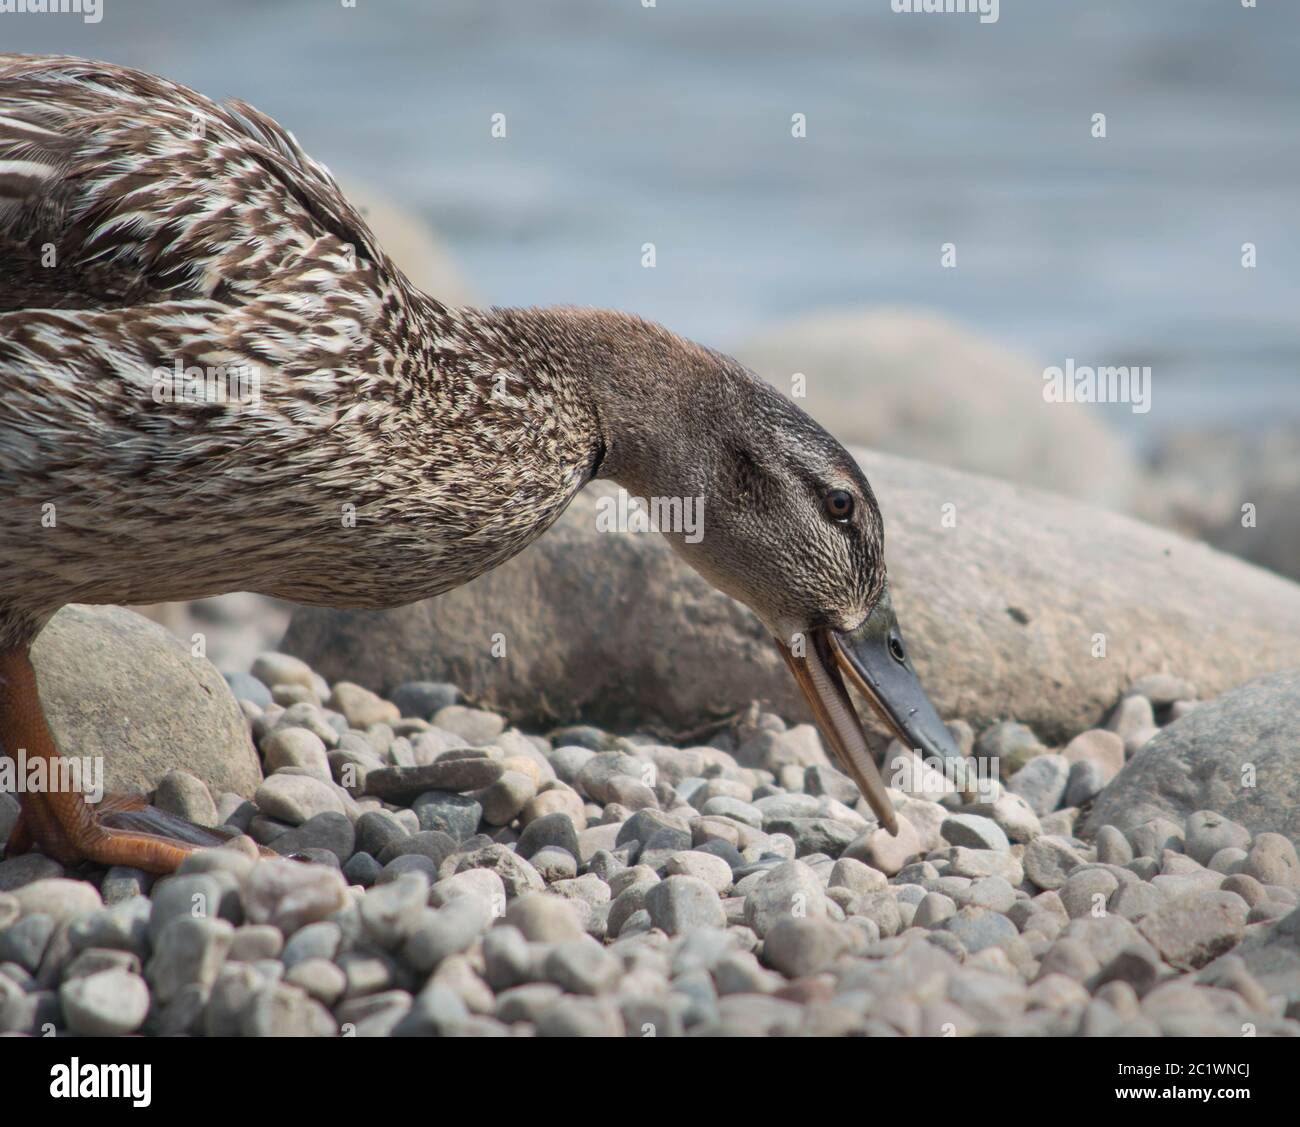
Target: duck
point(215, 380)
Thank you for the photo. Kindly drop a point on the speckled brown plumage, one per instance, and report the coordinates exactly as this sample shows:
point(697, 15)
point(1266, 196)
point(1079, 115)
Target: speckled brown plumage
point(186, 231)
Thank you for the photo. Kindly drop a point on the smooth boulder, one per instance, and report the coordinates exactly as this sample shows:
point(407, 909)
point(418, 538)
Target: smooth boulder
point(1004, 611)
point(1205, 760)
point(116, 685)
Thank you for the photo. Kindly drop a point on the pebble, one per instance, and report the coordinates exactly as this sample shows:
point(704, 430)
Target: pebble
point(978, 928)
point(111, 1003)
point(289, 895)
point(189, 952)
point(503, 799)
point(1012, 814)
point(273, 668)
point(712, 870)
point(881, 851)
point(974, 831)
point(1133, 721)
point(1049, 860)
point(457, 815)
point(400, 785)
point(296, 798)
point(361, 707)
point(1013, 745)
point(1042, 782)
point(286, 1010)
point(1191, 930)
point(517, 875)
point(789, 888)
point(1208, 832)
point(475, 726)
point(1271, 859)
point(797, 947)
point(582, 966)
point(680, 904)
point(187, 797)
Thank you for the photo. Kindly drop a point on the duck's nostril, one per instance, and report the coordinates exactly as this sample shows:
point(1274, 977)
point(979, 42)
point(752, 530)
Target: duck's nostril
point(896, 650)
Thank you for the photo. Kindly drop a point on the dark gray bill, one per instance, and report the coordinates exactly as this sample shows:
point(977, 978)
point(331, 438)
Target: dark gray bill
point(876, 663)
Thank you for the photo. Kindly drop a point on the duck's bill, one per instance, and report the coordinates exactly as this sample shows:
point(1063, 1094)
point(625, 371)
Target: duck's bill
point(869, 657)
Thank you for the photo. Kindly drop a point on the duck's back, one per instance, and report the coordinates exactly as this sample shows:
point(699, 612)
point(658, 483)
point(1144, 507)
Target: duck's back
point(149, 236)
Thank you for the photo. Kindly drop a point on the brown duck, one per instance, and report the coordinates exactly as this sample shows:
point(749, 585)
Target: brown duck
point(213, 379)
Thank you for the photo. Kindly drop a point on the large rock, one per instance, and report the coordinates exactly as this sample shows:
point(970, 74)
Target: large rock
point(1003, 612)
point(911, 382)
point(116, 685)
point(1204, 476)
point(1201, 762)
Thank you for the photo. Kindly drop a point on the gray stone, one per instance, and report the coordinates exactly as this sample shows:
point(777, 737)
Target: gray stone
point(391, 911)
point(1042, 782)
point(186, 796)
point(790, 888)
point(681, 904)
point(436, 933)
point(802, 946)
point(1088, 892)
point(1113, 847)
point(423, 698)
point(297, 798)
point(456, 815)
point(517, 875)
point(330, 831)
point(1013, 815)
point(974, 832)
point(978, 928)
point(1191, 930)
point(475, 726)
point(934, 909)
point(1049, 861)
point(111, 1003)
point(1134, 722)
point(285, 1010)
point(1086, 781)
point(582, 966)
point(1008, 746)
point(1208, 831)
point(24, 942)
point(1272, 860)
point(545, 919)
point(401, 785)
point(102, 670)
point(1197, 763)
point(289, 895)
point(189, 952)
point(60, 899)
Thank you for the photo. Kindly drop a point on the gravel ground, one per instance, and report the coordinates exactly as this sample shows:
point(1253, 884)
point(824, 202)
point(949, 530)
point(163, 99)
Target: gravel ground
point(468, 879)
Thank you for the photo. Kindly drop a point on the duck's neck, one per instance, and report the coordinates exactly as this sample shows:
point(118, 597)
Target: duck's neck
point(628, 387)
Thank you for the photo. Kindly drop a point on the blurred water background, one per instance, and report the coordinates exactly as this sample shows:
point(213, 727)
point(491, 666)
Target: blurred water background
point(671, 125)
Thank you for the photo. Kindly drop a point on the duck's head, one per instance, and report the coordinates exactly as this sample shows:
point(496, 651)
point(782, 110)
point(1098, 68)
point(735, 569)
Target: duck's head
point(791, 528)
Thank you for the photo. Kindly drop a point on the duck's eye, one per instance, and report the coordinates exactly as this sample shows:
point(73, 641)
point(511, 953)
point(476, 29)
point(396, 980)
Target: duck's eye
point(896, 649)
point(838, 504)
